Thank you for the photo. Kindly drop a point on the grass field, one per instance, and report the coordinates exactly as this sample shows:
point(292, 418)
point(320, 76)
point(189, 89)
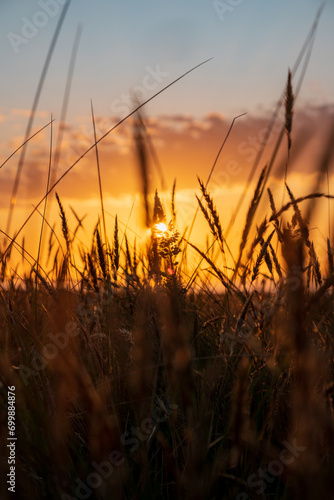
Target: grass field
point(131, 378)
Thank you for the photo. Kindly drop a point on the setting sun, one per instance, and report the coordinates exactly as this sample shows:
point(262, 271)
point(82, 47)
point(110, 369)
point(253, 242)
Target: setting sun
point(161, 228)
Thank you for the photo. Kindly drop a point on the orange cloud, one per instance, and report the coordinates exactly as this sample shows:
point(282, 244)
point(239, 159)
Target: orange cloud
point(185, 147)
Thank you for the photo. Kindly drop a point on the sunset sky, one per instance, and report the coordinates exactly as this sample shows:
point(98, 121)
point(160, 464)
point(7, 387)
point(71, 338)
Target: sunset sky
point(139, 47)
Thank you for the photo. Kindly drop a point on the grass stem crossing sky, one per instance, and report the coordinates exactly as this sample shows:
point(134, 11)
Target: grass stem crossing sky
point(129, 51)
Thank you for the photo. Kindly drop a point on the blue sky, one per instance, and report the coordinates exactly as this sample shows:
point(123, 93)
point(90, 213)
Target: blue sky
point(252, 47)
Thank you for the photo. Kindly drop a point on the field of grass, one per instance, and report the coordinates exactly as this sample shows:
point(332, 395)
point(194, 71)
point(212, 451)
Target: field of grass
point(131, 379)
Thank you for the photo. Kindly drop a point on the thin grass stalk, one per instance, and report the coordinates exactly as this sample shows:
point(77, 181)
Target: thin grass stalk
point(214, 166)
point(326, 159)
point(213, 219)
point(92, 271)
point(298, 200)
point(64, 224)
point(243, 313)
point(99, 174)
point(25, 254)
point(46, 199)
point(101, 255)
point(276, 261)
point(307, 46)
point(249, 218)
point(330, 257)
point(128, 256)
point(289, 104)
point(328, 203)
point(143, 165)
point(258, 237)
point(115, 251)
point(33, 111)
point(52, 234)
point(302, 224)
point(173, 203)
point(63, 113)
point(97, 142)
point(261, 256)
point(79, 222)
point(128, 222)
point(25, 142)
point(228, 284)
point(153, 153)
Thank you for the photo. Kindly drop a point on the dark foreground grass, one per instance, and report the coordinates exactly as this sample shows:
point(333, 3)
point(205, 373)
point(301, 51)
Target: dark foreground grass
point(130, 385)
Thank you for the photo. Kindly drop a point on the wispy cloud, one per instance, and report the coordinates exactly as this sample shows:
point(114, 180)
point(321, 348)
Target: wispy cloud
point(186, 147)
point(27, 112)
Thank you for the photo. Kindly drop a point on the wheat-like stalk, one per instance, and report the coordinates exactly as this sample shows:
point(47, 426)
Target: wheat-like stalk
point(299, 218)
point(92, 271)
point(173, 203)
point(289, 103)
point(243, 313)
point(275, 261)
point(142, 160)
point(115, 250)
point(261, 256)
point(258, 237)
point(286, 207)
point(275, 219)
point(127, 255)
point(50, 242)
point(64, 224)
point(315, 264)
point(158, 211)
point(101, 254)
point(212, 217)
point(206, 215)
point(250, 216)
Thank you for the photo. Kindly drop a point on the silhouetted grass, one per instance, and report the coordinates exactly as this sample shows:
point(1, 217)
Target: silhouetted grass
point(134, 381)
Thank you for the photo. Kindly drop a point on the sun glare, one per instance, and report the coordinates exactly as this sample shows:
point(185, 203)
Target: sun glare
point(161, 227)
